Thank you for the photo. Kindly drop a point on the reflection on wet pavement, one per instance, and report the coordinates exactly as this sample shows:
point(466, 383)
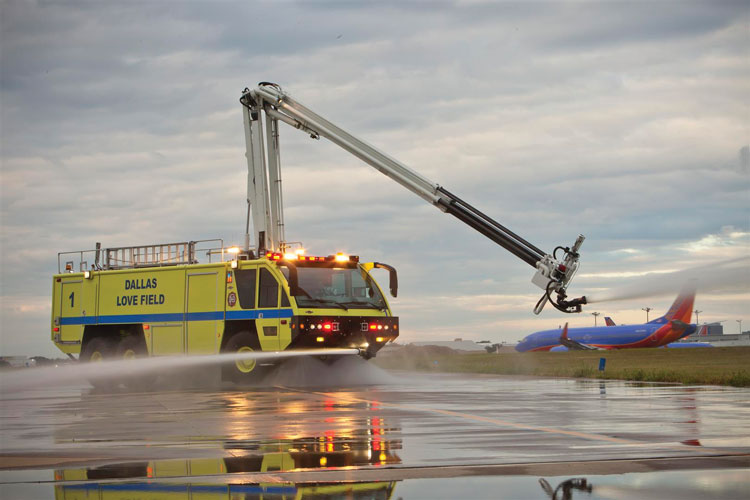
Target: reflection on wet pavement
point(261, 442)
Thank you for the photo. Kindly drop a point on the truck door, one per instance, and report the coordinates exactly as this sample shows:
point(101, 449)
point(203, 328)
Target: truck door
point(71, 301)
point(267, 324)
point(204, 312)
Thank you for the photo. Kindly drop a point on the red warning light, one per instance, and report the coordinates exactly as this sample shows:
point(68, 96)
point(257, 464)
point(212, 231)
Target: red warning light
point(326, 326)
point(373, 326)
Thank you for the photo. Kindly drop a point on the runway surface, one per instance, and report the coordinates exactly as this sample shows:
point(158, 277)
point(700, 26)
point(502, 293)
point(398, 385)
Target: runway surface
point(363, 433)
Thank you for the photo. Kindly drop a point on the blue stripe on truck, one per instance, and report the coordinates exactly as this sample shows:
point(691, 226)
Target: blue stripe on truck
point(193, 316)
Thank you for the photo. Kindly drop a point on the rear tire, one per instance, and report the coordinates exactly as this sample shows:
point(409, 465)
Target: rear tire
point(243, 371)
point(96, 350)
point(131, 348)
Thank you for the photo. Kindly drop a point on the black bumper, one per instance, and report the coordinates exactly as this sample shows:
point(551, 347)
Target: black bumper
point(367, 333)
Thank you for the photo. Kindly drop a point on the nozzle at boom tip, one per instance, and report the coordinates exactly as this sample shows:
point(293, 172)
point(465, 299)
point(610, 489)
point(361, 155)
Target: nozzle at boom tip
point(573, 305)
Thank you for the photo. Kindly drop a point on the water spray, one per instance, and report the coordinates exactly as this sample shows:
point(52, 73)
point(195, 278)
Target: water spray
point(710, 277)
point(22, 379)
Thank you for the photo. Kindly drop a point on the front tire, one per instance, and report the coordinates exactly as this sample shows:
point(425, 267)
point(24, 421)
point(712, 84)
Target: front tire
point(243, 371)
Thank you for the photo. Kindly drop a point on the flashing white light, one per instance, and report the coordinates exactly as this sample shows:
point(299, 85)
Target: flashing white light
point(340, 257)
point(234, 264)
point(365, 345)
point(86, 274)
point(234, 250)
point(300, 251)
point(290, 256)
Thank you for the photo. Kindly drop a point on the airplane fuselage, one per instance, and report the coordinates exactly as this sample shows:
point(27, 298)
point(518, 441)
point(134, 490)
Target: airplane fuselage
point(609, 337)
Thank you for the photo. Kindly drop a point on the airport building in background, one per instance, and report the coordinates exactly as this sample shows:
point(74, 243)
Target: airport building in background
point(714, 335)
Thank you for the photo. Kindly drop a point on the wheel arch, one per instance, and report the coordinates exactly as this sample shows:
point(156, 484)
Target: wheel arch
point(233, 327)
point(113, 333)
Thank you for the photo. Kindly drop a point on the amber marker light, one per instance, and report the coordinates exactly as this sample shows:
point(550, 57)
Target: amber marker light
point(320, 339)
point(340, 257)
point(379, 339)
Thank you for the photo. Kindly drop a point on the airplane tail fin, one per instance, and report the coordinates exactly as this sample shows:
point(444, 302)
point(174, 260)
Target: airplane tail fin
point(608, 321)
point(703, 330)
point(681, 309)
point(564, 335)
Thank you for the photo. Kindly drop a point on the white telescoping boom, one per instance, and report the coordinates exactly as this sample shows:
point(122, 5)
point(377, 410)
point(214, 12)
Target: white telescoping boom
point(267, 102)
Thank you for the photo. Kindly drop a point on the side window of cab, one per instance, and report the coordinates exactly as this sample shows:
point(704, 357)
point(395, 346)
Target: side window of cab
point(268, 289)
point(245, 279)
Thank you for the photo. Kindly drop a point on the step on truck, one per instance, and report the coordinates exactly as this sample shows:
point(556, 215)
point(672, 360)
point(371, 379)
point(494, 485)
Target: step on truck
point(158, 300)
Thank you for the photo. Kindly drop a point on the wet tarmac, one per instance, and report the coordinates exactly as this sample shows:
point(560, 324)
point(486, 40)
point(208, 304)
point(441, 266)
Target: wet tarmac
point(377, 435)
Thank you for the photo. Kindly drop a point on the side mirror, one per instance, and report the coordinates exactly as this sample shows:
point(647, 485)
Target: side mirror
point(393, 275)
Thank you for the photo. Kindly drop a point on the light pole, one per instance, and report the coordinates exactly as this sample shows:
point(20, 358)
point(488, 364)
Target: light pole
point(647, 309)
point(697, 312)
point(740, 322)
point(595, 314)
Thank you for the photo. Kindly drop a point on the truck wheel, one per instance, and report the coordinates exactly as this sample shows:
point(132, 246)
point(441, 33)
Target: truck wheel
point(243, 371)
point(130, 348)
point(97, 350)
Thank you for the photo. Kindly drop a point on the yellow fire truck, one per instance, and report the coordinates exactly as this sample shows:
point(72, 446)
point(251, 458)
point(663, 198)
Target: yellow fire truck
point(158, 300)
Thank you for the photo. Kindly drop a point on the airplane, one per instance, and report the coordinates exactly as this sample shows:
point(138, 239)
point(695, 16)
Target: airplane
point(674, 325)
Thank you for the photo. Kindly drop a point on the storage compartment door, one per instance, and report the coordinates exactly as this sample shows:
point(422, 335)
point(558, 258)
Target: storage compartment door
point(204, 319)
point(71, 302)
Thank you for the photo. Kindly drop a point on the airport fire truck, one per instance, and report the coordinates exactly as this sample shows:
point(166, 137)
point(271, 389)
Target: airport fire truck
point(159, 299)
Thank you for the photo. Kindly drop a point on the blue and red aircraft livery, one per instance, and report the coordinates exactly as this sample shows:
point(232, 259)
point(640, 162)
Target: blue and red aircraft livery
point(671, 327)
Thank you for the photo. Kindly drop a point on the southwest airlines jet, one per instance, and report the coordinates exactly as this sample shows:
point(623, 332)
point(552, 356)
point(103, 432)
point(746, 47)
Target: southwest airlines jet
point(671, 327)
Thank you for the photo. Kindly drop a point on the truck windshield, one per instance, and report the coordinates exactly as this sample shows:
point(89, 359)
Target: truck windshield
point(334, 287)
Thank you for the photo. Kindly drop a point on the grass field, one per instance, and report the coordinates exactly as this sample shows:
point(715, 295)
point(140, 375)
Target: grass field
point(716, 366)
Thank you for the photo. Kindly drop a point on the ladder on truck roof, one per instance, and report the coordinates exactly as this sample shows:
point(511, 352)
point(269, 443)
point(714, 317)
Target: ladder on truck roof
point(165, 254)
point(133, 257)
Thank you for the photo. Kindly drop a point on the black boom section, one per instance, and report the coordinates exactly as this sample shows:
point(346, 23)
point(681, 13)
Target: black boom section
point(491, 229)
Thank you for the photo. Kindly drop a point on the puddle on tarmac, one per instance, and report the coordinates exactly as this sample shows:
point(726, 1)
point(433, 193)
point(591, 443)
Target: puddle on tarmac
point(127, 482)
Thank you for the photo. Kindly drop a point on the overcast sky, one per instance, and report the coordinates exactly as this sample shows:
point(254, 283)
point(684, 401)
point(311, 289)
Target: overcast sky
point(627, 122)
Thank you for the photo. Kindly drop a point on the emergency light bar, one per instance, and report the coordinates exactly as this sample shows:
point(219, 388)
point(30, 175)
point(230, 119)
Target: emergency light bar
point(339, 257)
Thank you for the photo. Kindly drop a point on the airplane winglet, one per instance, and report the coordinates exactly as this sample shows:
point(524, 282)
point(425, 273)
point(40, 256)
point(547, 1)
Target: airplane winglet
point(564, 335)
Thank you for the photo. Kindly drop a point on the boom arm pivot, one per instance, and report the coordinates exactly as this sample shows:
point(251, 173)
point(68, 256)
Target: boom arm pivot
point(264, 189)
